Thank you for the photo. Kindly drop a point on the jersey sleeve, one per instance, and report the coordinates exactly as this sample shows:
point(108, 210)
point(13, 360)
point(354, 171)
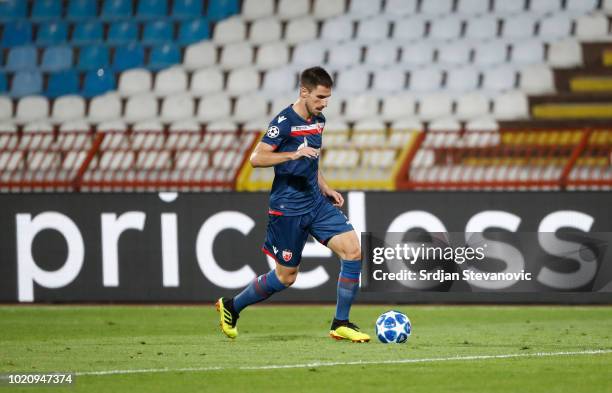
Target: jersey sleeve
point(277, 133)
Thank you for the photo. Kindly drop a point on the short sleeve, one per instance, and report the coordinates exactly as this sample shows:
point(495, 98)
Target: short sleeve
point(276, 133)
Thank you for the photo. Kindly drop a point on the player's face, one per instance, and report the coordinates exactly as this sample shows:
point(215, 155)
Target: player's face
point(316, 99)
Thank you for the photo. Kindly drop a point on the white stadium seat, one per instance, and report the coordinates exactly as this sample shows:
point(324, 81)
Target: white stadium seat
point(437, 7)
point(170, 81)
point(509, 7)
point(104, 108)
point(491, 53)
point(527, 52)
point(445, 124)
point(581, 6)
point(511, 106)
point(352, 81)
point(308, 54)
point(445, 28)
point(272, 55)
point(373, 29)
point(381, 53)
point(481, 28)
point(425, 79)
point(389, 80)
point(482, 124)
point(408, 29)
point(537, 79)
point(472, 7)
point(214, 107)
point(337, 29)
point(69, 107)
point(140, 107)
point(344, 56)
point(236, 55)
point(400, 7)
point(206, 81)
point(32, 108)
point(364, 8)
point(471, 106)
point(592, 28)
point(290, 9)
point(199, 55)
point(265, 30)
point(250, 107)
point(397, 107)
point(242, 81)
point(230, 30)
point(499, 78)
point(300, 30)
point(417, 54)
point(177, 107)
point(253, 9)
point(75, 125)
point(135, 81)
point(361, 107)
point(518, 26)
point(462, 79)
point(565, 54)
point(435, 106)
point(454, 53)
point(323, 9)
point(544, 6)
point(555, 27)
point(280, 80)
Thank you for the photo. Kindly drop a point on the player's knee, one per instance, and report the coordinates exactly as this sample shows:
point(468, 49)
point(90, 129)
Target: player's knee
point(353, 253)
point(287, 278)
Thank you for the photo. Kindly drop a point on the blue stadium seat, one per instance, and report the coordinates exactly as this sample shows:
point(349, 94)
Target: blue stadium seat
point(128, 56)
point(17, 33)
point(157, 32)
point(121, 33)
point(98, 82)
point(193, 31)
point(26, 83)
point(46, 9)
point(13, 9)
point(186, 9)
point(152, 9)
point(87, 33)
point(164, 56)
point(3, 83)
point(22, 58)
point(221, 9)
point(116, 9)
point(93, 57)
point(62, 83)
point(79, 10)
point(52, 33)
point(57, 58)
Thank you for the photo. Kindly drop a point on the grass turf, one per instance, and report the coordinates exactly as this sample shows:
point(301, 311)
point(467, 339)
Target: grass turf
point(90, 338)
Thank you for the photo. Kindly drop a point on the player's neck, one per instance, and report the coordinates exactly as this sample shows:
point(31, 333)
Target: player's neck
point(299, 107)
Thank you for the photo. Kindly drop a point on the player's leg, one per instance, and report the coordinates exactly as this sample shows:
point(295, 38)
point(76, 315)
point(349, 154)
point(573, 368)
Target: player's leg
point(332, 228)
point(284, 243)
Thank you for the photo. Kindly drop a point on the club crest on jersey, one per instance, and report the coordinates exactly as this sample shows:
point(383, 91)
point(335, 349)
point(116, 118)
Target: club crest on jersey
point(287, 254)
point(273, 132)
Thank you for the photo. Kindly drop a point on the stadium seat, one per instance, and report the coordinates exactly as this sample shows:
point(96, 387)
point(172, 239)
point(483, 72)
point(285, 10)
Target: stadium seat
point(360, 107)
point(351, 81)
point(389, 80)
point(223, 127)
point(446, 28)
point(13, 10)
point(482, 124)
point(544, 6)
point(455, 53)
point(140, 107)
point(70, 107)
point(128, 56)
point(93, 57)
point(122, 33)
point(592, 28)
point(116, 9)
point(365, 8)
point(272, 55)
point(323, 9)
point(565, 54)
point(344, 56)
point(230, 30)
point(279, 81)
point(164, 56)
point(254, 9)
point(206, 81)
point(499, 78)
point(243, 80)
point(184, 125)
point(555, 27)
point(381, 54)
point(537, 79)
point(490, 53)
point(291, 9)
point(151, 9)
point(16, 32)
point(221, 9)
point(98, 82)
point(32, 108)
point(62, 83)
point(581, 6)
point(511, 106)
point(193, 31)
point(301, 30)
point(236, 55)
point(22, 58)
point(445, 124)
point(213, 107)
point(400, 7)
point(520, 26)
point(308, 54)
point(135, 81)
point(157, 32)
point(425, 80)
point(200, 55)
point(26, 83)
point(337, 29)
point(177, 107)
point(481, 28)
point(46, 9)
point(265, 30)
point(409, 29)
point(250, 107)
point(435, 106)
point(472, 7)
point(81, 10)
point(104, 108)
point(170, 81)
point(462, 79)
point(509, 7)
point(471, 106)
point(373, 30)
point(416, 54)
point(186, 9)
point(52, 33)
point(438, 7)
point(111, 125)
point(56, 58)
point(88, 33)
point(527, 52)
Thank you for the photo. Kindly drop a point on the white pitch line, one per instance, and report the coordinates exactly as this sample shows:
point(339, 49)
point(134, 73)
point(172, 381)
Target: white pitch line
point(332, 364)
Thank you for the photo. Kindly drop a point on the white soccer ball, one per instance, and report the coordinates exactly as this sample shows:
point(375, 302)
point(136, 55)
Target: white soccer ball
point(393, 327)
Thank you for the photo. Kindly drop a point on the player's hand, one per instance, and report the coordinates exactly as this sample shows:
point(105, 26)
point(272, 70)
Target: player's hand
point(307, 152)
point(336, 197)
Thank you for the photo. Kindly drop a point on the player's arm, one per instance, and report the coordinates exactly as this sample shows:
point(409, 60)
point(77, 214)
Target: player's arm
point(329, 192)
point(265, 156)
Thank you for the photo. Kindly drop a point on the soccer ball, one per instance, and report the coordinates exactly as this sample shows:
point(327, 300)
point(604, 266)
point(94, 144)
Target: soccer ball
point(393, 327)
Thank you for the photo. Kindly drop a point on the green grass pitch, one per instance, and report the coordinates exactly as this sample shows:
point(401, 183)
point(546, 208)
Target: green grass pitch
point(180, 349)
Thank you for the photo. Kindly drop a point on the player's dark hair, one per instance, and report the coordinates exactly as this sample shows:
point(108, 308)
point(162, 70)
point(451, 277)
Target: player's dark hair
point(315, 76)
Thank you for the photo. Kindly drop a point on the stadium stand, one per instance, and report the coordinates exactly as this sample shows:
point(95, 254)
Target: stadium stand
point(478, 74)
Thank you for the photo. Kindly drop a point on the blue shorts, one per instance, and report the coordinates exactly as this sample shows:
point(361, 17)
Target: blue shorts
point(287, 235)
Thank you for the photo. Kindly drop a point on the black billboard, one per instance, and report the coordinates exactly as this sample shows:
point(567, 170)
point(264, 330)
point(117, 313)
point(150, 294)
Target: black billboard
point(191, 247)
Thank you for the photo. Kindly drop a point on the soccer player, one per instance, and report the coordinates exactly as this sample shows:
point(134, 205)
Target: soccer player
point(301, 203)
